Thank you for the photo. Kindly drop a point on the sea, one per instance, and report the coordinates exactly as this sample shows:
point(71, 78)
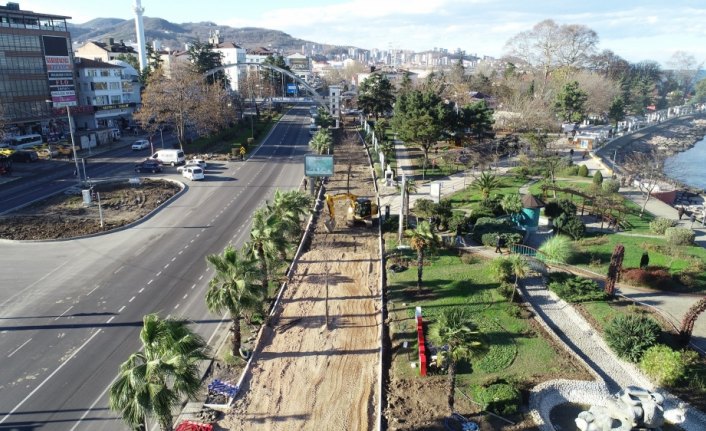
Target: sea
point(689, 167)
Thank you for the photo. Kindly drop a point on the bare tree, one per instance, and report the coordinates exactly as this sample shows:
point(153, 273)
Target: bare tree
point(184, 99)
point(549, 46)
point(685, 69)
point(645, 170)
point(600, 89)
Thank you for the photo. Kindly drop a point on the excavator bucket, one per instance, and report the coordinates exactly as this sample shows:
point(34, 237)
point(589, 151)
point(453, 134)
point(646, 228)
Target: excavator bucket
point(330, 225)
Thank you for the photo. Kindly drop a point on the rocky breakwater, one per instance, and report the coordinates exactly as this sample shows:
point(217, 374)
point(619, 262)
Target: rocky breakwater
point(670, 138)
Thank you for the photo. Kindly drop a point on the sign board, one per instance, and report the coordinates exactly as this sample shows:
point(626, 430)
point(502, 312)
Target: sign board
point(59, 71)
point(435, 192)
point(291, 88)
point(318, 166)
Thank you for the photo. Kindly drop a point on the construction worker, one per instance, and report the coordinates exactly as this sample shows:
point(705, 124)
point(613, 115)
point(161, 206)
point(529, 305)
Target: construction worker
point(242, 153)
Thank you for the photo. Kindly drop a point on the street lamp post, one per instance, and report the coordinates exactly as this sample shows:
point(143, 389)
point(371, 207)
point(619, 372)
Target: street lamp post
point(73, 143)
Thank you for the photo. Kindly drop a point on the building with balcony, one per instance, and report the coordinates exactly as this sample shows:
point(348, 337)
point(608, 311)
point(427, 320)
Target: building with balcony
point(105, 51)
point(36, 66)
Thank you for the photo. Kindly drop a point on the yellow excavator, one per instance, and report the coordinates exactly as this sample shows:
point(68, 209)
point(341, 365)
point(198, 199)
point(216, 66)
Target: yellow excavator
point(359, 209)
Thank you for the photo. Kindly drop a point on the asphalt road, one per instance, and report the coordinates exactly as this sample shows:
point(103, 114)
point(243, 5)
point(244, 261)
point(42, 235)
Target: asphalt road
point(70, 311)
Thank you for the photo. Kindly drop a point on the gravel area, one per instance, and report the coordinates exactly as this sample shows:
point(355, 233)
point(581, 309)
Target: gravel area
point(613, 374)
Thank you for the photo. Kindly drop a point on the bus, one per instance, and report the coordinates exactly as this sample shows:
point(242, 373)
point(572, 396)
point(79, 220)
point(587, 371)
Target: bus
point(24, 141)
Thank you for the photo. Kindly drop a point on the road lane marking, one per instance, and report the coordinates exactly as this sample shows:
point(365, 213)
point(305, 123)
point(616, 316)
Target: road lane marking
point(33, 284)
point(17, 349)
point(193, 286)
point(90, 409)
point(140, 291)
point(111, 319)
point(94, 289)
point(150, 282)
point(44, 382)
point(121, 309)
point(201, 277)
point(118, 270)
point(173, 259)
point(166, 266)
point(181, 251)
point(158, 274)
point(185, 296)
point(60, 315)
point(176, 306)
point(132, 299)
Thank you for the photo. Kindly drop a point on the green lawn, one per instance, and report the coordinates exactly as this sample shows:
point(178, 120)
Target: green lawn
point(470, 197)
point(510, 347)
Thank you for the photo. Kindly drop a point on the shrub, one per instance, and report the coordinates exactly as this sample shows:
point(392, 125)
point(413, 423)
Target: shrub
point(505, 289)
point(656, 277)
point(598, 178)
point(552, 210)
point(583, 171)
point(558, 248)
point(504, 228)
point(500, 398)
point(573, 288)
point(663, 365)
point(660, 224)
point(468, 258)
point(561, 206)
point(501, 269)
point(458, 219)
point(570, 225)
point(572, 170)
point(489, 239)
point(479, 213)
point(611, 186)
point(493, 205)
point(443, 211)
point(630, 335)
point(424, 208)
point(679, 235)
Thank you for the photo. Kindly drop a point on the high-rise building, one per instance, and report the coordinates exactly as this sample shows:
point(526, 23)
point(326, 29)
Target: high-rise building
point(36, 66)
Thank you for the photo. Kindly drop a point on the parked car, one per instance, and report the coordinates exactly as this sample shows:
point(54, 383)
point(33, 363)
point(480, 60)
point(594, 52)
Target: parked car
point(193, 173)
point(140, 144)
point(24, 156)
point(148, 165)
point(171, 157)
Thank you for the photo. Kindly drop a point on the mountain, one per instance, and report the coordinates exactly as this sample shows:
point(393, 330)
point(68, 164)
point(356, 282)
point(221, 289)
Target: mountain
point(175, 36)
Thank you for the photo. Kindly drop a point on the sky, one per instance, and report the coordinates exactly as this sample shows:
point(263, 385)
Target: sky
point(636, 30)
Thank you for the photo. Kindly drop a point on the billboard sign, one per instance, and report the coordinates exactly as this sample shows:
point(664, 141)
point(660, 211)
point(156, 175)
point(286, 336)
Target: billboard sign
point(59, 71)
point(291, 88)
point(318, 166)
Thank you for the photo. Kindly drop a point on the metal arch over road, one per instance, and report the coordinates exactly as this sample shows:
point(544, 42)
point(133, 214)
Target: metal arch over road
point(317, 98)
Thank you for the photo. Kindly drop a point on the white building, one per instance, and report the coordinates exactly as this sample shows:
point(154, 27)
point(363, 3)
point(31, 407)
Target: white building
point(232, 54)
point(105, 87)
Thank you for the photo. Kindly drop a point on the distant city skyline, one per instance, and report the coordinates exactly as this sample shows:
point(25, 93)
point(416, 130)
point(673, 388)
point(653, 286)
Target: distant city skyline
point(636, 30)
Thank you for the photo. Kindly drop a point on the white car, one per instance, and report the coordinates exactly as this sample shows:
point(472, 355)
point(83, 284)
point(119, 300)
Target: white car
point(140, 144)
point(192, 163)
point(194, 173)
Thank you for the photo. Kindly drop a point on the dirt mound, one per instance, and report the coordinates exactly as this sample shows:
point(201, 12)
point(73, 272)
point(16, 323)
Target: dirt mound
point(65, 216)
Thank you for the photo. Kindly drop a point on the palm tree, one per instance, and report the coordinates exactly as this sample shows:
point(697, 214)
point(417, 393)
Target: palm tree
point(512, 204)
point(520, 269)
point(235, 288)
point(291, 206)
point(321, 142)
point(410, 186)
point(268, 241)
point(455, 330)
point(486, 183)
point(421, 239)
point(152, 382)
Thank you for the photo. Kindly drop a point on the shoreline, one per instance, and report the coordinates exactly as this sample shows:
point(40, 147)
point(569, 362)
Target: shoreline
point(679, 137)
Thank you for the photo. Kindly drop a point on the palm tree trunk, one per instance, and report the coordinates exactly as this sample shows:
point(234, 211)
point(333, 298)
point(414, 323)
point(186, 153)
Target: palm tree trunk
point(263, 267)
point(237, 338)
point(452, 384)
point(166, 423)
point(420, 268)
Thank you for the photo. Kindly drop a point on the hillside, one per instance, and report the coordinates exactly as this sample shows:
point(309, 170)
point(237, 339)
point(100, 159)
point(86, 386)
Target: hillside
point(175, 36)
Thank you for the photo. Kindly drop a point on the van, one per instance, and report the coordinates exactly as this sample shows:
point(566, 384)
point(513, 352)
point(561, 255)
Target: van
point(170, 157)
point(24, 142)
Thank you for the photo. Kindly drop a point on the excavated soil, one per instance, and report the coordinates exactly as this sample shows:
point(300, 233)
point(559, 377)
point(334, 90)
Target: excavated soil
point(308, 375)
point(65, 216)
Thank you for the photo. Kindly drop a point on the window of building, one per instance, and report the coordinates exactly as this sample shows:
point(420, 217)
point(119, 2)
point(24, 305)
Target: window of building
point(105, 72)
point(115, 99)
point(97, 86)
point(114, 85)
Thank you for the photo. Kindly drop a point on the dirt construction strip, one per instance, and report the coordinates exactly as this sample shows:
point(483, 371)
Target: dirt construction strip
point(306, 375)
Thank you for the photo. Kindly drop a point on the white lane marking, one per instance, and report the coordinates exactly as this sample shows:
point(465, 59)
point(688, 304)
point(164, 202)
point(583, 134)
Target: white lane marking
point(111, 319)
point(94, 289)
point(141, 290)
point(132, 299)
point(166, 266)
point(90, 408)
point(201, 277)
point(121, 309)
point(173, 259)
point(176, 306)
point(158, 274)
point(44, 382)
point(150, 282)
point(17, 349)
point(193, 286)
point(60, 315)
point(191, 241)
point(185, 296)
point(181, 251)
point(118, 270)
point(187, 245)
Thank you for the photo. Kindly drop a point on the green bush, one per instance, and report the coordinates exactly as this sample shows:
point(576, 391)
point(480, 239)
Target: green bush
point(663, 365)
point(583, 171)
point(630, 335)
point(570, 225)
point(598, 178)
point(469, 258)
point(611, 186)
point(660, 224)
point(572, 288)
point(501, 269)
point(458, 219)
point(424, 208)
point(571, 171)
point(505, 289)
point(558, 248)
point(478, 214)
point(561, 206)
point(679, 235)
point(489, 239)
point(500, 398)
point(493, 205)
